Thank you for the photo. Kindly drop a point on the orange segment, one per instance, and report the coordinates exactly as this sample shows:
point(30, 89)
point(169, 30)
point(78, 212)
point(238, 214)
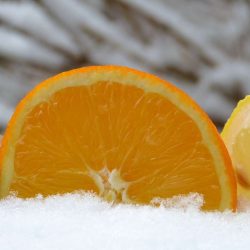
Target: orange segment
point(123, 134)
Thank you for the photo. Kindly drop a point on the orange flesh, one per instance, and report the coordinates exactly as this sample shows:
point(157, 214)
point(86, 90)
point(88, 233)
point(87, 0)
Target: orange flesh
point(92, 130)
point(241, 158)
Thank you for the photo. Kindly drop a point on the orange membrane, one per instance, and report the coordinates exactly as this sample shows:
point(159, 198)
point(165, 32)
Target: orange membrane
point(116, 140)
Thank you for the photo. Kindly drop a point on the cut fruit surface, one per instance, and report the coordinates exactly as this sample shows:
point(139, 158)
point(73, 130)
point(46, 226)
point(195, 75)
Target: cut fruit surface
point(126, 135)
point(236, 135)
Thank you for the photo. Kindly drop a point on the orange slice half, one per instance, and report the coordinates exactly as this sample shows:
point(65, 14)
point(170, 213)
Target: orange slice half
point(123, 134)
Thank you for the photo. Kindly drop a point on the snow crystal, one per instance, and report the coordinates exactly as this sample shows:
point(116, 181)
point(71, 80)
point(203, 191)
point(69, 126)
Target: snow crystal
point(77, 221)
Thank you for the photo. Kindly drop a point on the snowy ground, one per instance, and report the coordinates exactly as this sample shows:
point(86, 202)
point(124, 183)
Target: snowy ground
point(83, 222)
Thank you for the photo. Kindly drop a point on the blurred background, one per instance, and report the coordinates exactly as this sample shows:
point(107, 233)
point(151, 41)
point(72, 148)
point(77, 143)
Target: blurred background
point(202, 46)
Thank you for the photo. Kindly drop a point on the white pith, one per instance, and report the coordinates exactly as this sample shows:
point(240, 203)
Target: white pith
point(110, 184)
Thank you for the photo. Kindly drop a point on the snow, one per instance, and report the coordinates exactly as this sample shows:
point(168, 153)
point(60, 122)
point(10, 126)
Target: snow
point(19, 47)
point(78, 221)
point(41, 27)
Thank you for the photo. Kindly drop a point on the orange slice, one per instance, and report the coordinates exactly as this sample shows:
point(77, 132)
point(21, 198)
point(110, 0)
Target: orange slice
point(236, 135)
point(123, 134)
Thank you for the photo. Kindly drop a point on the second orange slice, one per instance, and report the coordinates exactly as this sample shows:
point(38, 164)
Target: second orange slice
point(123, 134)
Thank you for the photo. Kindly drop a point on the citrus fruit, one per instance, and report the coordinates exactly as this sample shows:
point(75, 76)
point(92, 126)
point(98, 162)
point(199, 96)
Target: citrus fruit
point(121, 133)
point(236, 135)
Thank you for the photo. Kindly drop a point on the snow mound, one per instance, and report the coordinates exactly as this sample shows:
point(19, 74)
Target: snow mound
point(78, 221)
